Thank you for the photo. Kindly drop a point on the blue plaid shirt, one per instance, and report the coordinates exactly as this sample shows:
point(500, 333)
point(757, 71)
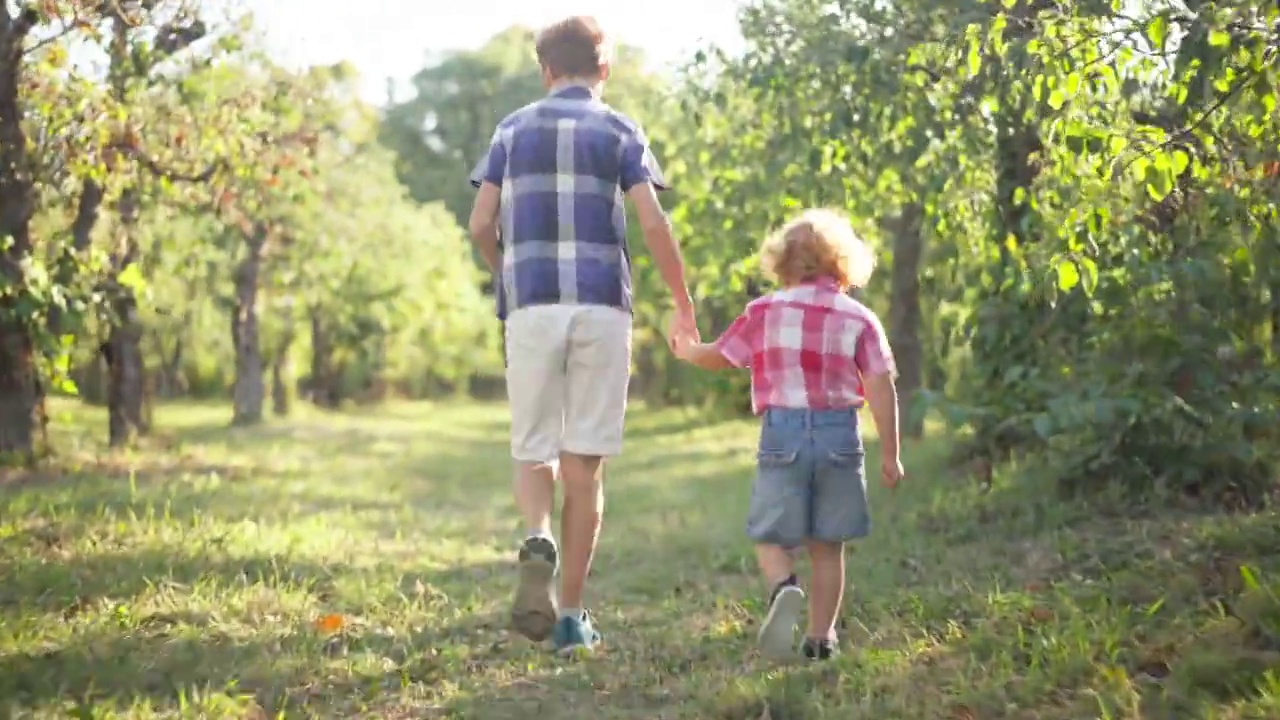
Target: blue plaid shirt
point(564, 164)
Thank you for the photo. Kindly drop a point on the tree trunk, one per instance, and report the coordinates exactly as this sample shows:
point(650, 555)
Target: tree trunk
point(323, 390)
point(19, 387)
point(18, 394)
point(249, 393)
point(171, 382)
point(87, 211)
point(125, 379)
point(904, 313)
point(125, 417)
point(280, 400)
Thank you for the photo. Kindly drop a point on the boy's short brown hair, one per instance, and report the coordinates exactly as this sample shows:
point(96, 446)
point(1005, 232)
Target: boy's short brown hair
point(818, 243)
point(572, 48)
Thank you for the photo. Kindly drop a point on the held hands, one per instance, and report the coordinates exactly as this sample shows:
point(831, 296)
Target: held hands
point(682, 332)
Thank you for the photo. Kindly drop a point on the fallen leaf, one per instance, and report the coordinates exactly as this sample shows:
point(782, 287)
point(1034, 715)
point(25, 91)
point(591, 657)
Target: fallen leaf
point(331, 623)
point(1041, 614)
point(962, 712)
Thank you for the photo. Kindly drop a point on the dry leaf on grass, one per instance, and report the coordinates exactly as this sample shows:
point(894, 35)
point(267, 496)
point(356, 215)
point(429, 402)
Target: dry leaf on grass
point(330, 623)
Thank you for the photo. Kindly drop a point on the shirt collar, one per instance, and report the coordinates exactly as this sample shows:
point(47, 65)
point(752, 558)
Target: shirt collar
point(572, 91)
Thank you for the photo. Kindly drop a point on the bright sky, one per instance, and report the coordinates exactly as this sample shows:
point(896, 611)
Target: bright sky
point(391, 38)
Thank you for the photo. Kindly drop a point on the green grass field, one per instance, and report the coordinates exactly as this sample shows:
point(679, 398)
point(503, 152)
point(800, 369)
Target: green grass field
point(360, 565)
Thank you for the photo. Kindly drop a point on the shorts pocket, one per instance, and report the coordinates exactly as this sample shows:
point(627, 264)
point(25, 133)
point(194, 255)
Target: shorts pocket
point(776, 458)
point(846, 458)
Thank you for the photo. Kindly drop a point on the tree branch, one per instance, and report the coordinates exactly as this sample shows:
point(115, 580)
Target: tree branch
point(155, 168)
point(172, 39)
point(28, 16)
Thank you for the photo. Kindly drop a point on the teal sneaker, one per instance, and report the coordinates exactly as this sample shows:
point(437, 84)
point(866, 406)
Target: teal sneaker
point(574, 634)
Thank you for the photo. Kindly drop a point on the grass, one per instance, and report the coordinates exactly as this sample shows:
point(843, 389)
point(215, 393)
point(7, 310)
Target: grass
point(359, 565)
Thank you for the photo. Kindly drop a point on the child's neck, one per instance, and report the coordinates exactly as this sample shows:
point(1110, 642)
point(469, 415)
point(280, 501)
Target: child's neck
point(821, 280)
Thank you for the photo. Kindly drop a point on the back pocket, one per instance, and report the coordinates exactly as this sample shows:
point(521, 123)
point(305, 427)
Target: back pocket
point(776, 458)
point(845, 458)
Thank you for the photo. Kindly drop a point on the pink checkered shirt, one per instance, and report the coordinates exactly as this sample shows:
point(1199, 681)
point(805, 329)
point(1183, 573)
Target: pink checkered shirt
point(808, 346)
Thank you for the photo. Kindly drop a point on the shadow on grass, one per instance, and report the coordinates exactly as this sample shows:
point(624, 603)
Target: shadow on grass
point(961, 602)
point(197, 631)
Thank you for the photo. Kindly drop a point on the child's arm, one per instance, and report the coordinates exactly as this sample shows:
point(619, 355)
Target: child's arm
point(705, 355)
point(876, 367)
point(882, 396)
point(732, 350)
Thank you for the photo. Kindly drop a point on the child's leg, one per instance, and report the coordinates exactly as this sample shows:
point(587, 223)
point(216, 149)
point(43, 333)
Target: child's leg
point(826, 589)
point(777, 565)
point(779, 519)
point(840, 514)
point(786, 600)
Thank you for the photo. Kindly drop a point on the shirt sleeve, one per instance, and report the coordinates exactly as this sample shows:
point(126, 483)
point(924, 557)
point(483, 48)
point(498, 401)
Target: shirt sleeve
point(740, 341)
point(639, 165)
point(493, 166)
point(873, 354)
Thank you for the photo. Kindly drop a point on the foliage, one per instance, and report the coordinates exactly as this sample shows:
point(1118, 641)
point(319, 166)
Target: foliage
point(178, 177)
point(1099, 185)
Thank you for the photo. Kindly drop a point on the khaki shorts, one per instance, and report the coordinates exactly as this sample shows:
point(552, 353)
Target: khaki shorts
point(567, 372)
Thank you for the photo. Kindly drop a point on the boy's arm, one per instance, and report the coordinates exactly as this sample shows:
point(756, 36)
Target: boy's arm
point(661, 243)
point(484, 223)
point(486, 177)
point(882, 396)
point(641, 178)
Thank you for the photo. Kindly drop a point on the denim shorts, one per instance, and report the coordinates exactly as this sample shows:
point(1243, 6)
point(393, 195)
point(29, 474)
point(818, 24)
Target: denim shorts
point(811, 481)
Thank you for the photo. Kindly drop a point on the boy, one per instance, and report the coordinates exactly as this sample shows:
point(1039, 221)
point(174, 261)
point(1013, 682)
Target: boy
point(815, 353)
point(549, 222)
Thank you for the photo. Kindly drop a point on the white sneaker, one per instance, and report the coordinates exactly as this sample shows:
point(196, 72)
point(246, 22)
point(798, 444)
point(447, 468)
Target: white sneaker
point(778, 633)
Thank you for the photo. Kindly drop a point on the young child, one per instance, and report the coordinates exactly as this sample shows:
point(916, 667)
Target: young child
point(815, 355)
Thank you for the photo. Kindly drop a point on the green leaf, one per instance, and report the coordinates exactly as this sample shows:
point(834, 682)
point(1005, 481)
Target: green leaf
point(1180, 162)
point(975, 57)
point(1090, 274)
point(1219, 38)
point(1073, 83)
point(1157, 31)
point(1056, 99)
point(1250, 579)
point(1159, 179)
point(1068, 275)
point(131, 277)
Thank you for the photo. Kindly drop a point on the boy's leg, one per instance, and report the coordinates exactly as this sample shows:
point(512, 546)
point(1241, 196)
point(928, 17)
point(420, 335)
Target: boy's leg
point(598, 369)
point(535, 343)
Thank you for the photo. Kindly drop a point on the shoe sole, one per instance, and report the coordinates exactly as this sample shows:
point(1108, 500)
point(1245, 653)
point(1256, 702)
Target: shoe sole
point(778, 633)
point(533, 614)
point(571, 652)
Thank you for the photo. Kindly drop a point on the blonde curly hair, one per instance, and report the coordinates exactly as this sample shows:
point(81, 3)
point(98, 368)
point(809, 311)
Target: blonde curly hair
point(818, 243)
